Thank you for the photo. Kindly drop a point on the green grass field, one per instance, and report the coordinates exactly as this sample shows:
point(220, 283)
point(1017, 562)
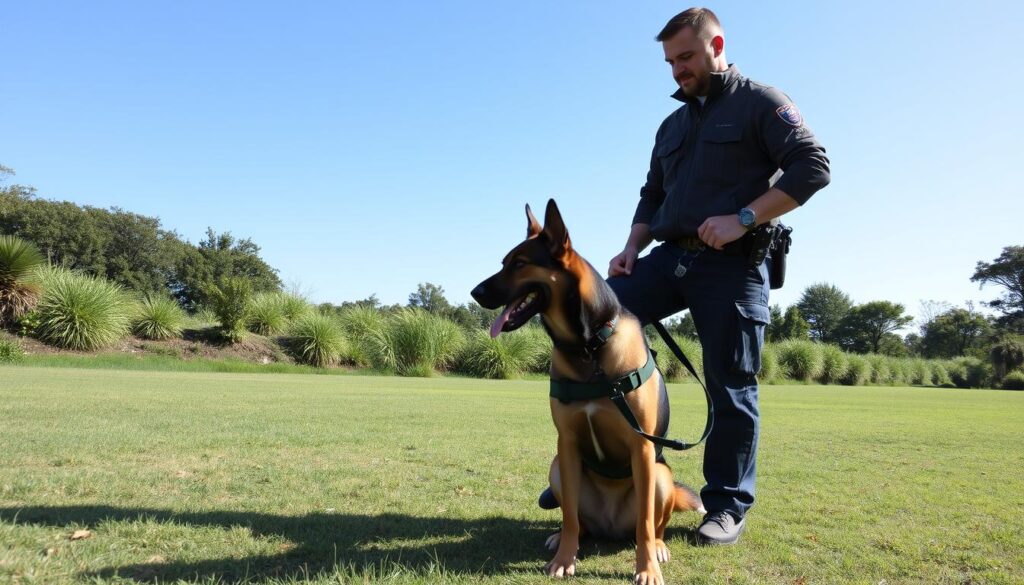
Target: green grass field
point(280, 478)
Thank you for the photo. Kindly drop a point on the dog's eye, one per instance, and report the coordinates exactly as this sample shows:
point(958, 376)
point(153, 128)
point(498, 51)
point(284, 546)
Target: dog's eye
point(517, 264)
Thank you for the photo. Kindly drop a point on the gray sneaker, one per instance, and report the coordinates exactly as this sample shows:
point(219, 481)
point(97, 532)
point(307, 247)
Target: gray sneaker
point(720, 528)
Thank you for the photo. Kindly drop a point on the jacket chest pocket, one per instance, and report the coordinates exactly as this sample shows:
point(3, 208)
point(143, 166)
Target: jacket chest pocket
point(720, 146)
point(670, 152)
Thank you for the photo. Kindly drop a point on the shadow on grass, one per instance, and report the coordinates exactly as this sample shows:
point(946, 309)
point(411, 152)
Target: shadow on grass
point(325, 544)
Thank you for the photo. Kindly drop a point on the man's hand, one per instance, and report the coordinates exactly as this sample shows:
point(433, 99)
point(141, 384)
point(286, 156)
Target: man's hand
point(718, 231)
point(623, 263)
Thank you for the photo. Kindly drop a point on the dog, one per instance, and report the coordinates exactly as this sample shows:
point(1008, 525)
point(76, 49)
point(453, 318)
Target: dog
point(609, 480)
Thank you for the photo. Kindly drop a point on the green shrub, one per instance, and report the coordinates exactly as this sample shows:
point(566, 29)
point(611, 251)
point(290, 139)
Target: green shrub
point(834, 364)
point(19, 285)
point(81, 312)
point(158, 317)
point(858, 371)
point(801, 359)
point(229, 301)
point(11, 351)
point(507, 356)
point(770, 369)
point(1013, 381)
point(266, 314)
point(539, 337)
point(881, 369)
point(317, 340)
point(422, 342)
point(970, 372)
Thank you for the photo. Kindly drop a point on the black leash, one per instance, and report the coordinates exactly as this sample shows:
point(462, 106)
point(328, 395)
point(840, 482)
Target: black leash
point(671, 343)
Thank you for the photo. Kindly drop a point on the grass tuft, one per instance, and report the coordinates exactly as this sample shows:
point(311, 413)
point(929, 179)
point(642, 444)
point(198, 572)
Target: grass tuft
point(158, 317)
point(317, 340)
point(81, 312)
point(509, 355)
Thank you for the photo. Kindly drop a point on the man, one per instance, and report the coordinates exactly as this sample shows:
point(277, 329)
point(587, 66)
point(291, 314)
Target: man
point(709, 185)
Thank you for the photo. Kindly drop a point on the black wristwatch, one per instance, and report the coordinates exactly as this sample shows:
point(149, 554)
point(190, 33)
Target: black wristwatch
point(748, 219)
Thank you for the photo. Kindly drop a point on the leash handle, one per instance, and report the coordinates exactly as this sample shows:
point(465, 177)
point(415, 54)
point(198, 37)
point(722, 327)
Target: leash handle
point(674, 347)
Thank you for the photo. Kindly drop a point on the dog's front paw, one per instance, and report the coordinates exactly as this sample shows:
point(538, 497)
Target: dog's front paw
point(561, 567)
point(648, 573)
point(552, 542)
point(661, 551)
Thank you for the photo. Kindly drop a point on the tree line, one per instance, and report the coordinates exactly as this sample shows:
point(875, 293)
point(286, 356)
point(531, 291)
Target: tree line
point(129, 249)
point(136, 252)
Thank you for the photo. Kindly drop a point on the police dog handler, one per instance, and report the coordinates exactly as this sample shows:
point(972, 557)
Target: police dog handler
point(709, 187)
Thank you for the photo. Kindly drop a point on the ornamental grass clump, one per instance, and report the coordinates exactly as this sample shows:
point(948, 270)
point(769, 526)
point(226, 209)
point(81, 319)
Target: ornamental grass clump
point(834, 364)
point(671, 368)
point(266, 314)
point(422, 342)
point(881, 371)
point(158, 317)
point(19, 282)
point(506, 356)
point(919, 372)
point(81, 312)
point(801, 359)
point(294, 306)
point(940, 375)
point(770, 369)
point(858, 371)
point(317, 340)
point(368, 333)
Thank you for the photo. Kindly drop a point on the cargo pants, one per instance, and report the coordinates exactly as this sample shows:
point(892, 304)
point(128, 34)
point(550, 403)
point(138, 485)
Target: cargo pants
point(728, 302)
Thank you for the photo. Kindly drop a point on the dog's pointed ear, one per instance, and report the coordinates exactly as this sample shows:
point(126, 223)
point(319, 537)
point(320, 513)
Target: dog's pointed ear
point(554, 229)
point(532, 225)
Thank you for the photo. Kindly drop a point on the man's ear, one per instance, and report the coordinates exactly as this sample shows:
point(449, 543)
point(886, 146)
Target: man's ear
point(718, 44)
point(532, 225)
point(554, 230)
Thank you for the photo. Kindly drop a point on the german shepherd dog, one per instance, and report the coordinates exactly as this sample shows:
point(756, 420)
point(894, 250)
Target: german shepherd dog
point(544, 275)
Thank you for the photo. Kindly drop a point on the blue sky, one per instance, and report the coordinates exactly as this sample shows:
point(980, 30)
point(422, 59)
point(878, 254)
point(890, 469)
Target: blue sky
point(368, 147)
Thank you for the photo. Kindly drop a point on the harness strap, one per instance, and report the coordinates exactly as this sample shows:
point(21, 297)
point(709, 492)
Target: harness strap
point(616, 390)
point(572, 391)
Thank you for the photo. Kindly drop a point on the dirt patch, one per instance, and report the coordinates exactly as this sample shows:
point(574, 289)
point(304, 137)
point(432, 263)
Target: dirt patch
point(194, 343)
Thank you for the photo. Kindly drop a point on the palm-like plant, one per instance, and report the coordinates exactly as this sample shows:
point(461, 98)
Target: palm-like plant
point(19, 289)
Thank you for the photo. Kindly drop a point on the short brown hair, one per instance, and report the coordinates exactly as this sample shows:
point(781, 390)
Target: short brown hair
point(702, 20)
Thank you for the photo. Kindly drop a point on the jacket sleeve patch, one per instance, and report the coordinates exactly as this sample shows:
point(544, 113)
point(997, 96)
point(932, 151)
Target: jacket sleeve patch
point(790, 115)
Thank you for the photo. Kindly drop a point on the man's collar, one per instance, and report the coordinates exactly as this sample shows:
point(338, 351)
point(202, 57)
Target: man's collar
point(717, 84)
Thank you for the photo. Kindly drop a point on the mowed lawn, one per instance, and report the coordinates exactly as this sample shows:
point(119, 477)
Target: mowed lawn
point(274, 478)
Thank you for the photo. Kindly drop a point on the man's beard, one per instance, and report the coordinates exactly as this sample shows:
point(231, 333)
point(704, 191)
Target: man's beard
point(699, 88)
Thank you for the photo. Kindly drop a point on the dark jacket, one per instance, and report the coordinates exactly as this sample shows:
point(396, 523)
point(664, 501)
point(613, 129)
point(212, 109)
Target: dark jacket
point(717, 158)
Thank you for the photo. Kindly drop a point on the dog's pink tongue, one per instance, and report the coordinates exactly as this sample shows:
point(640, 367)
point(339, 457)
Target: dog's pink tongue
point(501, 320)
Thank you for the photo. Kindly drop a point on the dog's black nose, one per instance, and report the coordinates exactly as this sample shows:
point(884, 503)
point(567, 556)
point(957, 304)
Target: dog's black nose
point(478, 293)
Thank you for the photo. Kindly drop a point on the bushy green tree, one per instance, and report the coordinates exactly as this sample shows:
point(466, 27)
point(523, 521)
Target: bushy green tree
point(863, 329)
point(954, 333)
point(794, 326)
point(430, 298)
point(1006, 271)
point(220, 256)
point(824, 306)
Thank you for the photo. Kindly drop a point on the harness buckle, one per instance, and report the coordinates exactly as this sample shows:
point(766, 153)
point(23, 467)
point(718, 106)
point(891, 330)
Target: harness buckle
point(629, 382)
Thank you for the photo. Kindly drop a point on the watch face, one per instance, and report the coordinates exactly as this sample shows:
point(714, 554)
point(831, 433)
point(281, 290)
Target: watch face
point(746, 217)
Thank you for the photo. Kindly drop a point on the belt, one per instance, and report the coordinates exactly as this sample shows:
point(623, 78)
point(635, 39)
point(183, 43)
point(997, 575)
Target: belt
point(738, 248)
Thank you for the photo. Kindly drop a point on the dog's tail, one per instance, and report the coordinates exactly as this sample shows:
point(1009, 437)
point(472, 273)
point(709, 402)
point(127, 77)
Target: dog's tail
point(686, 499)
